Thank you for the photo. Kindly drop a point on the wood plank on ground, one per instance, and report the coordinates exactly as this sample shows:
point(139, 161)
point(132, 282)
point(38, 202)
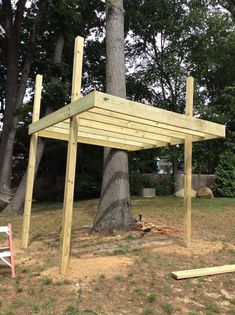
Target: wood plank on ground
point(192, 273)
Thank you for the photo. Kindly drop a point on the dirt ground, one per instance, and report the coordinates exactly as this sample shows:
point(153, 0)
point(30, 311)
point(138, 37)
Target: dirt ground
point(123, 273)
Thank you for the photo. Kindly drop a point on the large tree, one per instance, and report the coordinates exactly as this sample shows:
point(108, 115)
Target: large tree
point(114, 211)
point(17, 73)
point(57, 32)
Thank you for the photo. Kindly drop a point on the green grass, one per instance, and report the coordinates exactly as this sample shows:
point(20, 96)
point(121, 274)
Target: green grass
point(149, 311)
point(167, 308)
point(151, 297)
point(149, 273)
point(212, 309)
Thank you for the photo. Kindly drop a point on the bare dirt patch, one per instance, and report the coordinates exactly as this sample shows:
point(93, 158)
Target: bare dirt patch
point(197, 247)
point(128, 273)
point(88, 268)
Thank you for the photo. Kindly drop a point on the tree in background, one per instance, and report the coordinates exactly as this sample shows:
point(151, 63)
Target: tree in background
point(55, 31)
point(169, 40)
point(114, 211)
point(225, 175)
point(165, 41)
point(17, 72)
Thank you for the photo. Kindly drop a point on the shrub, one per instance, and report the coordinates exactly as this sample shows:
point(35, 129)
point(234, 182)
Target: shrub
point(225, 175)
point(164, 184)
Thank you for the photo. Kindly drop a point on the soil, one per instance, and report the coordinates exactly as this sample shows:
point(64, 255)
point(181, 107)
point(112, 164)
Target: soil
point(123, 273)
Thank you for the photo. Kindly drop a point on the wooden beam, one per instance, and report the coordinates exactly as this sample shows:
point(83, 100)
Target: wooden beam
point(184, 274)
point(119, 133)
point(31, 164)
point(166, 118)
point(147, 124)
point(118, 143)
point(140, 128)
point(123, 130)
point(188, 165)
point(71, 159)
point(74, 108)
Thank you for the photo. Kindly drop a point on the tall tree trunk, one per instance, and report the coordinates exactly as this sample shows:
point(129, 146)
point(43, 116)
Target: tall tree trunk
point(15, 85)
point(114, 211)
point(16, 204)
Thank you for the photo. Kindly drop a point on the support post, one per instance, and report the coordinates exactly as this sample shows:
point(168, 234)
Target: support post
point(71, 160)
point(31, 164)
point(188, 165)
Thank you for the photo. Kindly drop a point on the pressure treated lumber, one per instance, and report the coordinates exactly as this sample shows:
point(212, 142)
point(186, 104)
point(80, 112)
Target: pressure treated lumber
point(74, 108)
point(31, 164)
point(100, 112)
point(110, 121)
point(184, 274)
point(71, 160)
point(188, 167)
point(160, 116)
point(96, 140)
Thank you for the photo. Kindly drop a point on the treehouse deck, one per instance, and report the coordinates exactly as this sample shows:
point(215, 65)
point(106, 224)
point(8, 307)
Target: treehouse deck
point(111, 121)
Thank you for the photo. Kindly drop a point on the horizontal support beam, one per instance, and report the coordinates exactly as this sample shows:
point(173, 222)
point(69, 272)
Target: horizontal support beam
point(63, 113)
point(159, 116)
point(121, 136)
point(133, 127)
point(143, 124)
point(95, 140)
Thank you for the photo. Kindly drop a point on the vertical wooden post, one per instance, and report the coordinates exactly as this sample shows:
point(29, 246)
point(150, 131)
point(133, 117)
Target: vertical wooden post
point(188, 166)
point(71, 160)
point(31, 164)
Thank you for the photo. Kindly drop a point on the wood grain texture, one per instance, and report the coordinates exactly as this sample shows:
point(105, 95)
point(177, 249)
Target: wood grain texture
point(184, 274)
point(31, 165)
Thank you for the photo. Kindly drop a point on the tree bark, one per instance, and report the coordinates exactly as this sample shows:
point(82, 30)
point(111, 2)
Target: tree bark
point(114, 211)
point(16, 204)
point(15, 84)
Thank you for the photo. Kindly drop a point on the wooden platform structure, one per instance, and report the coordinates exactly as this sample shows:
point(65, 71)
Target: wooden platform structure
point(110, 121)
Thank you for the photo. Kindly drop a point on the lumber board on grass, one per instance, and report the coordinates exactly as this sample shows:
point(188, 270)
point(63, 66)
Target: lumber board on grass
point(192, 273)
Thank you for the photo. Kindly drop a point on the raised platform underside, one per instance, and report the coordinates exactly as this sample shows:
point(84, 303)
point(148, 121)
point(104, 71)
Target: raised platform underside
point(115, 122)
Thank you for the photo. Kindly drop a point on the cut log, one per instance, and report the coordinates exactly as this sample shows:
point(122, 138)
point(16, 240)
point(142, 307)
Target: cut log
point(184, 274)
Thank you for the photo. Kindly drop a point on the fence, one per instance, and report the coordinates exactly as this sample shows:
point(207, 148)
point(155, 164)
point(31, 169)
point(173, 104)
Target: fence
point(198, 181)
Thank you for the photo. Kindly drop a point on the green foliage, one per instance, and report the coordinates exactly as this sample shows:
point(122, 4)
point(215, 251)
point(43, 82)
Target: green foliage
point(163, 184)
point(225, 175)
point(212, 309)
point(167, 307)
point(149, 311)
point(89, 187)
point(151, 297)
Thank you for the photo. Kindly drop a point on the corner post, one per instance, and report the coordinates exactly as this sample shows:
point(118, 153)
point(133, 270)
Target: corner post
point(71, 160)
point(188, 165)
point(31, 164)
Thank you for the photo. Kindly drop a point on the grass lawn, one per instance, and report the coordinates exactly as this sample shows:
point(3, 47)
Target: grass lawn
point(123, 273)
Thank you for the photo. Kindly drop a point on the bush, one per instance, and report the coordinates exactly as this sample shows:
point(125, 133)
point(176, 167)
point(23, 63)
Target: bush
point(163, 184)
point(225, 175)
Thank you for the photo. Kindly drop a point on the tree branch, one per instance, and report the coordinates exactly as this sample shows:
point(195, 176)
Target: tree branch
point(8, 16)
point(29, 56)
point(19, 15)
